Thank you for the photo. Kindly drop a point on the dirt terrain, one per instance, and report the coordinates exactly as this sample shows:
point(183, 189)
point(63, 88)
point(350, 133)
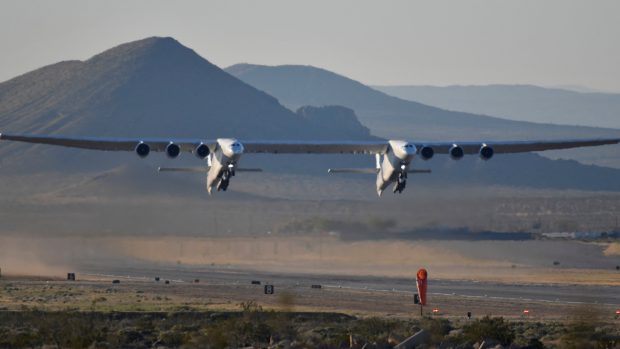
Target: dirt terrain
point(219, 289)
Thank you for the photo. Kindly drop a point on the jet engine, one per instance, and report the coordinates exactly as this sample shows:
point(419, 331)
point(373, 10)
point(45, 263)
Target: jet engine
point(486, 152)
point(143, 149)
point(172, 150)
point(456, 152)
point(427, 153)
point(202, 151)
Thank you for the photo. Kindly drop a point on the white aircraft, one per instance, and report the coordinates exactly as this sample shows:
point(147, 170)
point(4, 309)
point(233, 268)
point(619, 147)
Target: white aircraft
point(393, 157)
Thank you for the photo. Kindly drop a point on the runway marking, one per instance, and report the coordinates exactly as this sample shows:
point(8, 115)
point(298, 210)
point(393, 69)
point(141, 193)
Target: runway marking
point(129, 277)
point(238, 283)
point(557, 301)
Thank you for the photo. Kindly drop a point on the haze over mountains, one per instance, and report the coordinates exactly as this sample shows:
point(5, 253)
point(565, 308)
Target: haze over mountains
point(520, 102)
point(156, 87)
point(392, 117)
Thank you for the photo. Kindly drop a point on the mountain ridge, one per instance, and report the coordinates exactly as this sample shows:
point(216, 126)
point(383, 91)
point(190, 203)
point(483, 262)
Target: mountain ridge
point(67, 87)
point(156, 87)
point(394, 118)
point(520, 102)
point(296, 85)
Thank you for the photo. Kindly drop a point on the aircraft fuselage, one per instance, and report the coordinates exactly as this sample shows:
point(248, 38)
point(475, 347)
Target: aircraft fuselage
point(395, 165)
point(223, 163)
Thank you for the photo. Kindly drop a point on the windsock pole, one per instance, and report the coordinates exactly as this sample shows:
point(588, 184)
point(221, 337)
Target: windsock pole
point(421, 282)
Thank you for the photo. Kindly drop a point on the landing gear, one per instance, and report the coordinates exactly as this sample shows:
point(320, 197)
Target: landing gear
point(401, 183)
point(225, 178)
point(223, 185)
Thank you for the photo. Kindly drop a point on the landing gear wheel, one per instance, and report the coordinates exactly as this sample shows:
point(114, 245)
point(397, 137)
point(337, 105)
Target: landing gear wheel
point(224, 180)
point(401, 183)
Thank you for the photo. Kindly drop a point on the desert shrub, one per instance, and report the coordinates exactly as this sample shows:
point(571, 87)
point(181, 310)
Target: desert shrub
point(489, 328)
point(19, 338)
point(129, 336)
point(587, 330)
point(335, 339)
point(173, 338)
point(250, 307)
point(282, 325)
point(437, 328)
point(211, 338)
point(373, 329)
point(248, 332)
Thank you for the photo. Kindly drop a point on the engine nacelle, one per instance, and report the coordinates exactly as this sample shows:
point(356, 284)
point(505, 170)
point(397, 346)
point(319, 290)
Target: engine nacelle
point(486, 152)
point(426, 153)
point(173, 150)
point(456, 152)
point(143, 149)
point(202, 151)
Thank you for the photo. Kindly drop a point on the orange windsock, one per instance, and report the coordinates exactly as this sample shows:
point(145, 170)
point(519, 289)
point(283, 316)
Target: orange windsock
point(421, 282)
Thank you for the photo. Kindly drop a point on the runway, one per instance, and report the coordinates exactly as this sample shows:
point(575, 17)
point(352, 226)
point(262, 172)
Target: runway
point(367, 295)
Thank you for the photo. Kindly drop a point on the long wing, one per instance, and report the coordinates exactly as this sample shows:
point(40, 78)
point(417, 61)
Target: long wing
point(158, 144)
point(315, 147)
point(518, 146)
point(109, 144)
point(303, 147)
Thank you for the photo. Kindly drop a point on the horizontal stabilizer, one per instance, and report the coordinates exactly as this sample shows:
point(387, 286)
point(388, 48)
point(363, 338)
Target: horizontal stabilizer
point(367, 170)
point(183, 169)
point(202, 169)
point(354, 170)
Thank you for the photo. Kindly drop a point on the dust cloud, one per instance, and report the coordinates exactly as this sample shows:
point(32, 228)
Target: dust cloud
point(31, 257)
point(612, 250)
point(55, 256)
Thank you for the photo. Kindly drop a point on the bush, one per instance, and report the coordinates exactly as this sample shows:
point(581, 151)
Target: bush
point(489, 328)
point(437, 328)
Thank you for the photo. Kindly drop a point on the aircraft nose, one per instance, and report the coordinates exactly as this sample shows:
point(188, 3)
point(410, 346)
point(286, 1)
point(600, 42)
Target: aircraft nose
point(409, 149)
point(236, 148)
point(412, 149)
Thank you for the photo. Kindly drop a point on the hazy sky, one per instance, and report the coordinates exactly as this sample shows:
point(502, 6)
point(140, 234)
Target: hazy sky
point(544, 42)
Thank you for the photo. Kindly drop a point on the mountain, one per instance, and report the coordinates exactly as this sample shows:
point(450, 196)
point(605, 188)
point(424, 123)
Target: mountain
point(389, 116)
point(335, 116)
point(520, 102)
point(393, 118)
point(156, 87)
point(153, 87)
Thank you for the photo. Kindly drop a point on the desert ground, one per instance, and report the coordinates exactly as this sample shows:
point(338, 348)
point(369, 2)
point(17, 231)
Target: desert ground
point(172, 305)
point(366, 278)
point(363, 251)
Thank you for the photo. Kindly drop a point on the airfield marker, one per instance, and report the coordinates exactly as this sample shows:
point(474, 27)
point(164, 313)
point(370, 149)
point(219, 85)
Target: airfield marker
point(421, 282)
point(269, 289)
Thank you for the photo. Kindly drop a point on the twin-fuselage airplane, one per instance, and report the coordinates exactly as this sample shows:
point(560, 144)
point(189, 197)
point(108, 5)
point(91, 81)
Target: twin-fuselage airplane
point(393, 158)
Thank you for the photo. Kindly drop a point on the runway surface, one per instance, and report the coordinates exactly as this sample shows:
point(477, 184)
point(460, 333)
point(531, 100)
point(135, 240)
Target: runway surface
point(608, 296)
